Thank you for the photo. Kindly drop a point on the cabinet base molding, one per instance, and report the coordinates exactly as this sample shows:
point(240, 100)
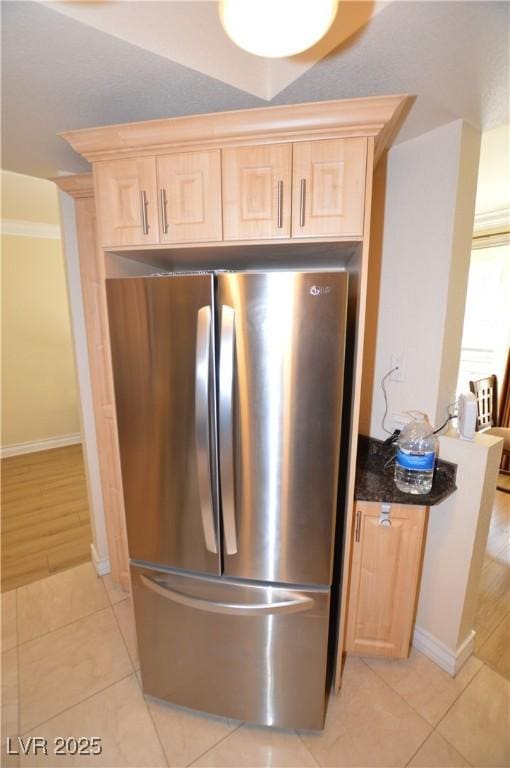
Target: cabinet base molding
point(438, 652)
point(101, 564)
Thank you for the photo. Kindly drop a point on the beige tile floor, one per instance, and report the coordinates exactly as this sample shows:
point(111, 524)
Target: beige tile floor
point(69, 668)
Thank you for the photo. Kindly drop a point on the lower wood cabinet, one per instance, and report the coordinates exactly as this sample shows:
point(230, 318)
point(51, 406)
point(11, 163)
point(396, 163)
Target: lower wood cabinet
point(386, 563)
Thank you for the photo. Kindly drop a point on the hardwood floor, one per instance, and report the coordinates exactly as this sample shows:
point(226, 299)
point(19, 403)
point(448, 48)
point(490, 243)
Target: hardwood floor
point(493, 615)
point(45, 516)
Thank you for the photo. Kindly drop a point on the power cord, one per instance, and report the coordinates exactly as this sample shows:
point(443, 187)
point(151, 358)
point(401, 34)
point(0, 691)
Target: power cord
point(450, 417)
point(383, 387)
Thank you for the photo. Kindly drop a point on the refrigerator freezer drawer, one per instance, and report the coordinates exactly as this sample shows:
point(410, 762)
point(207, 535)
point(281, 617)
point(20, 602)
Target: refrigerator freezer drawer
point(244, 651)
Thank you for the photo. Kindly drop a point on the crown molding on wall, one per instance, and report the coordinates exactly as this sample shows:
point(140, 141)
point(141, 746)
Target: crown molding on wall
point(37, 229)
point(491, 228)
point(492, 220)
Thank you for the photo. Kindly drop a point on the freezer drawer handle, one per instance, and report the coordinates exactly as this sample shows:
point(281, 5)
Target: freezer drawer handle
point(226, 386)
point(203, 441)
point(292, 603)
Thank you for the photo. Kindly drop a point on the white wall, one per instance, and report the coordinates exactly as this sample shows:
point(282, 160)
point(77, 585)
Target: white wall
point(426, 234)
point(456, 539)
point(420, 252)
point(493, 191)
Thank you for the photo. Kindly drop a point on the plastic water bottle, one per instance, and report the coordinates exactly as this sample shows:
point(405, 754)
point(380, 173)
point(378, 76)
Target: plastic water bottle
point(417, 447)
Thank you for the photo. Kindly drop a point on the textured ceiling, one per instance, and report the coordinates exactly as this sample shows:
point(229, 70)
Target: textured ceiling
point(190, 33)
point(59, 74)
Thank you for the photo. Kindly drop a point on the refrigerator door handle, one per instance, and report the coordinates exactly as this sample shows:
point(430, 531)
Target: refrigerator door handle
point(291, 602)
point(203, 440)
point(226, 427)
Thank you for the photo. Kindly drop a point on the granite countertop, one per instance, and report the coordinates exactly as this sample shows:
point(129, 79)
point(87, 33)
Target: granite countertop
point(374, 480)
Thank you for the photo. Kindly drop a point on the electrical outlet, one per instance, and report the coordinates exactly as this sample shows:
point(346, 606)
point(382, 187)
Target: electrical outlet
point(397, 361)
point(399, 420)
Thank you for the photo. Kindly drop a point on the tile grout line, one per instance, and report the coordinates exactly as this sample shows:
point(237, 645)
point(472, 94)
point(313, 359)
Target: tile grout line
point(124, 639)
point(315, 759)
point(450, 705)
point(78, 703)
point(396, 692)
point(449, 709)
point(148, 709)
point(445, 739)
point(193, 762)
point(67, 624)
point(150, 713)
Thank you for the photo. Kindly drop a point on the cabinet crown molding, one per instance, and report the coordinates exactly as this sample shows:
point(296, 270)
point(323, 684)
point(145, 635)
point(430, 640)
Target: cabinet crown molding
point(378, 116)
point(77, 185)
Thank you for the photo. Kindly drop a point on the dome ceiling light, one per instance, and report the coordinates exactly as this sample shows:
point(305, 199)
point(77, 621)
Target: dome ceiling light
point(276, 28)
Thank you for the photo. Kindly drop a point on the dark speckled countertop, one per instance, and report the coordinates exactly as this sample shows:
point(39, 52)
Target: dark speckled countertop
point(374, 480)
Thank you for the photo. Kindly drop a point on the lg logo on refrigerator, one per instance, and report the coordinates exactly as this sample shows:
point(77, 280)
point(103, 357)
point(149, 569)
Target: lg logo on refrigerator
point(320, 290)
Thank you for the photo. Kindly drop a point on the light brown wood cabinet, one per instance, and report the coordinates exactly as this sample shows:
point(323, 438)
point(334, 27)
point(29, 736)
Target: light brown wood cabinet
point(189, 189)
point(386, 561)
point(308, 189)
point(256, 191)
point(169, 199)
point(328, 187)
point(126, 200)
point(319, 186)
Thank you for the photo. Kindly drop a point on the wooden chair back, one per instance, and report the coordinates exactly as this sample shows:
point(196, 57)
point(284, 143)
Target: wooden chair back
point(486, 393)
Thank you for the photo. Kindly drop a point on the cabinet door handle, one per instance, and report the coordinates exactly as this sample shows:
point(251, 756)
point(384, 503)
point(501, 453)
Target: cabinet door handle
point(162, 206)
point(357, 532)
point(144, 204)
point(302, 203)
point(279, 209)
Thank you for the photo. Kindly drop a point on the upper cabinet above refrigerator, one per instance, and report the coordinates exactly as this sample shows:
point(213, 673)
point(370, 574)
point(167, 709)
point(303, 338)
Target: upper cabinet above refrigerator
point(328, 187)
point(308, 189)
point(256, 191)
point(126, 201)
point(189, 189)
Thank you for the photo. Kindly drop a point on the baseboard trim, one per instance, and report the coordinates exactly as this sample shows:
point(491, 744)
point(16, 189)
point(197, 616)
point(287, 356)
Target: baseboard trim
point(101, 564)
point(16, 449)
point(444, 657)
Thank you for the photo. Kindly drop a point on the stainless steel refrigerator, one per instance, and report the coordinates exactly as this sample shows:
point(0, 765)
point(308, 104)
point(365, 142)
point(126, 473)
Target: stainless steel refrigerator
point(229, 397)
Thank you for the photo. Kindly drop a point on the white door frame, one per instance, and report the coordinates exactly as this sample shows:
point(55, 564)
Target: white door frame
point(99, 546)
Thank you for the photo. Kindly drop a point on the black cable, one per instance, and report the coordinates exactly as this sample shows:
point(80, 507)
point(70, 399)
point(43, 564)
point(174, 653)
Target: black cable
point(453, 416)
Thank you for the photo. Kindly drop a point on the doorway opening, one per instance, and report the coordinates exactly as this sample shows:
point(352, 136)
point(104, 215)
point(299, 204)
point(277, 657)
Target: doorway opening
point(45, 518)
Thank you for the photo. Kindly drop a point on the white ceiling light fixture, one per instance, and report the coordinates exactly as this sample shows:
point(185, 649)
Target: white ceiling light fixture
point(276, 28)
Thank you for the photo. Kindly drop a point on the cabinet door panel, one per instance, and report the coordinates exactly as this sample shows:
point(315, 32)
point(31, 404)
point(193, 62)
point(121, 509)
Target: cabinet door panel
point(384, 575)
point(256, 192)
point(189, 186)
point(328, 187)
point(126, 201)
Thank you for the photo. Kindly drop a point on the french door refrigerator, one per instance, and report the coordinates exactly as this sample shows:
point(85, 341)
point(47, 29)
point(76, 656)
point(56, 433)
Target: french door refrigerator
point(229, 393)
